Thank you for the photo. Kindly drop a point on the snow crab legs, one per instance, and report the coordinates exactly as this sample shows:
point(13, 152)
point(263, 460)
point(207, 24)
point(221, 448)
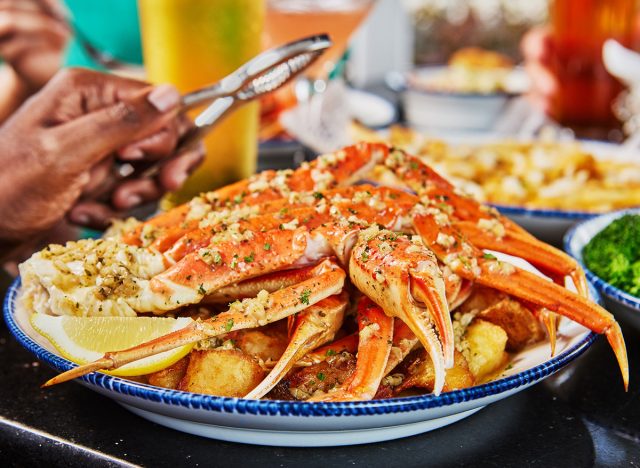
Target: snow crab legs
point(297, 235)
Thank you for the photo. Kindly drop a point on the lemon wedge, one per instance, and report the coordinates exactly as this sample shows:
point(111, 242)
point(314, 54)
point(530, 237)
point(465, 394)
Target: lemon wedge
point(85, 339)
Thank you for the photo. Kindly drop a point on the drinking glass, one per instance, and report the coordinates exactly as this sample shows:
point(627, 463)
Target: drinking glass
point(192, 43)
point(579, 29)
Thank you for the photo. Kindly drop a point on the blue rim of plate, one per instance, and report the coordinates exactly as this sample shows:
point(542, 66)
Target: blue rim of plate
point(601, 285)
point(544, 212)
point(293, 408)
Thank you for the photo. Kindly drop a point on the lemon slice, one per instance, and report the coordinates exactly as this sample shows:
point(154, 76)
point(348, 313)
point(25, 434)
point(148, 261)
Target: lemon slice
point(85, 339)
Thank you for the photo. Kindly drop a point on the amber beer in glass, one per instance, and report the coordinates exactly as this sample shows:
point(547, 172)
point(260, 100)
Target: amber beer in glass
point(579, 29)
point(192, 43)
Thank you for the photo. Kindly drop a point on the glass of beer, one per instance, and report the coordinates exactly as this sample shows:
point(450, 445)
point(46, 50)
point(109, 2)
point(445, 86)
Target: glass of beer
point(579, 29)
point(192, 43)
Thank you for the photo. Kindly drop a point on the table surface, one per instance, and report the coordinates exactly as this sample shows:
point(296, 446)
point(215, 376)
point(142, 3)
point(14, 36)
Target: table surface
point(579, 417)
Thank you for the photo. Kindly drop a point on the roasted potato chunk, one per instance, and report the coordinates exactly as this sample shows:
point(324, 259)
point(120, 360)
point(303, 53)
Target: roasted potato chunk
point(222, 372)
point(171, 376)
point(521, 326)
point(480, 299)
point(484, 346)
point(266, 343)
point(420, 373)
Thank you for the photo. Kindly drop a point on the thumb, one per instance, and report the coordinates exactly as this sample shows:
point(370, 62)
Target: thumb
point(93, 136)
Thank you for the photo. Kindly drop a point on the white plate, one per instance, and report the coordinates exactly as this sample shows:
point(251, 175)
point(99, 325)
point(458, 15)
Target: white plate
point(302, 424)
point(623, 305)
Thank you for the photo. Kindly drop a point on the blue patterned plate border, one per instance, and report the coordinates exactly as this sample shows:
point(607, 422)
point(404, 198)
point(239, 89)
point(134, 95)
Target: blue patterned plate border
point(292, 408)
point(580, 235)
point(543, 213)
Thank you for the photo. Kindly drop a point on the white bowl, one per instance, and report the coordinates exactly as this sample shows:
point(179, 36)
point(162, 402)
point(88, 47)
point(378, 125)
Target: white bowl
point(437, 110)
point(623, 305)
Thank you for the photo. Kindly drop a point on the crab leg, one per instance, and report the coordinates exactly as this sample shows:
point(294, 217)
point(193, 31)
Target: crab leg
point(376, 332)
point(315, 326)
point(551, 261)
point(390, 269)
point(328, 171)
point(469, 262)
point(485, 227)
point(249, 313)
point(550, 322)
point(224, 263)
point(348, 343)
point(404, 341)
point(269, 282)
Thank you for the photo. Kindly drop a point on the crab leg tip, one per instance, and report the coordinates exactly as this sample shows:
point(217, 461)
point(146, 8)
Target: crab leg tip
point(616, 340)
point(100, 364)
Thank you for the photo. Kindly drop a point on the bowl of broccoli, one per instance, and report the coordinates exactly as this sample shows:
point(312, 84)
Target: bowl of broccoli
point(608, 247)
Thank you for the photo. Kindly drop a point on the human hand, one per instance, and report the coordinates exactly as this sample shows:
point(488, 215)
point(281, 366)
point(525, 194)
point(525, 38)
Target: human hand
point(32, 39)
point(63, 141)
point(538, 50)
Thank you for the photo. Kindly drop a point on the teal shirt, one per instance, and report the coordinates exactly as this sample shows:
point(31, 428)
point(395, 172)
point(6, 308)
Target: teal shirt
point(111, 26)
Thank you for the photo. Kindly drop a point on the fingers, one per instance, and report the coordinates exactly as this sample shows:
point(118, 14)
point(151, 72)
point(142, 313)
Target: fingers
point(175, 172)
point(160, 144)
point(135, 192)
point(537, 45)
point(88, 138)
point(156, 146)
point(92, 214)
point(14, 22)
point(538, 50)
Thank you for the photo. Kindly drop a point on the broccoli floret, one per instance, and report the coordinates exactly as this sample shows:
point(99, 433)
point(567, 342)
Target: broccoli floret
point(614, 254)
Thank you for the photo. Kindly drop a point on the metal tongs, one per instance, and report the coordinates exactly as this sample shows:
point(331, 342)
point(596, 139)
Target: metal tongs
point(261, 75)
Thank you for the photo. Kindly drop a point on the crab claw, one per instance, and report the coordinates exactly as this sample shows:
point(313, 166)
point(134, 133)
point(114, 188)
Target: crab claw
point(250, 313)
point(376, 333)
point(469, 262)
point(315, 326)
point(403, 278)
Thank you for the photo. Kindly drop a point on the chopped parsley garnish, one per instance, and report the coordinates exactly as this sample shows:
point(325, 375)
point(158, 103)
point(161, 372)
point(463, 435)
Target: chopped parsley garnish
point(489, 256)
point(365, 256)
point(217, 258)
point(320, 376)
point(304, 297)
point(249, 258)
point(266, 246)
point(318, 195)
point(201, 290)
point(229, 325)
point(330, 352)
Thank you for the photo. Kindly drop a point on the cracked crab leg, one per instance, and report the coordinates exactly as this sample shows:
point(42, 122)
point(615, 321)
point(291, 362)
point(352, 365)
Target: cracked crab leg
point(315, 326)
point(249, 313)
point(388, 268)
point(374, 346)
point(327, 171)
point(469, 262)
point(348, 343)
point(551, 261)
point(269, 282)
